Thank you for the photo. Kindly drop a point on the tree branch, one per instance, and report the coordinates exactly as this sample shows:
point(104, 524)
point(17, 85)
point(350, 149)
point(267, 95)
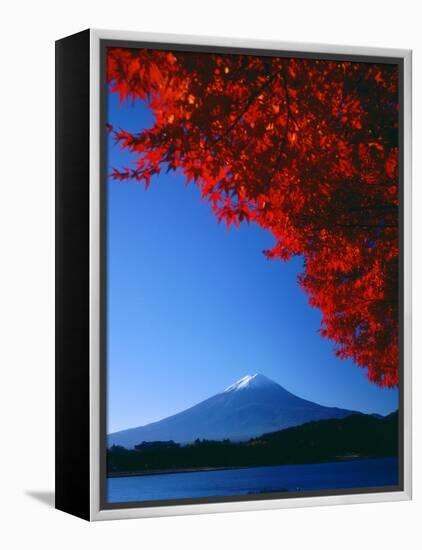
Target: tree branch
point(249, 103)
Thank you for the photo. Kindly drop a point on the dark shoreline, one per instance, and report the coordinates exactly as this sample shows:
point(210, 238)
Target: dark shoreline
point(140, 473)
point(178, 471)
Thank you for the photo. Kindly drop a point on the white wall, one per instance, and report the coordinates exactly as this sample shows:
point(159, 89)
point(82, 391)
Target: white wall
point(26, 271)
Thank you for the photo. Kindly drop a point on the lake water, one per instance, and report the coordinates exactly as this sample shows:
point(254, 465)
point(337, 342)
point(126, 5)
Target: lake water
point(304, 477)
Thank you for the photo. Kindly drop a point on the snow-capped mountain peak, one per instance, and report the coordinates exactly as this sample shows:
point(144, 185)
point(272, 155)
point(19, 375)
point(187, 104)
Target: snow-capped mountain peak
point(250, 407)
point(251, 381)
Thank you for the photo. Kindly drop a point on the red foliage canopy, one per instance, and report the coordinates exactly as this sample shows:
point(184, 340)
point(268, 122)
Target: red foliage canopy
point(307, 149)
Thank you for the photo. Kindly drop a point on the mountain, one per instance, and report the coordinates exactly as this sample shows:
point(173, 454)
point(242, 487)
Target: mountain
point(250, 407)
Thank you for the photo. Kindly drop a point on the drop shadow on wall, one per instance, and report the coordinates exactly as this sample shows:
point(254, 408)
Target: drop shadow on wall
point(45, 497)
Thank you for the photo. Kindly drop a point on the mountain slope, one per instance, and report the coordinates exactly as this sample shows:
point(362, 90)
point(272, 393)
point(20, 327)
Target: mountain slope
point(248, 408)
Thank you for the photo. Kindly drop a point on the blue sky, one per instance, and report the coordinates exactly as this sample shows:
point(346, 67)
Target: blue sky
point(193, 307)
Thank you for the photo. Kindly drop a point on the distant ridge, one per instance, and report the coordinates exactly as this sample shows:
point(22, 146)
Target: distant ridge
point(353, 437)
point(250, 407)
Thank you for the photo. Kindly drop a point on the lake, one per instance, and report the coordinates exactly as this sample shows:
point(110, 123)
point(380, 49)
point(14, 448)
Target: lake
point(348, 474)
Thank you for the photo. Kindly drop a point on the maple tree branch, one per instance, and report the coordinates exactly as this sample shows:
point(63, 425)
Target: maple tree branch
point(286, 129)
point(365, 226)
point(382, 207)
point(249, 103)
point(376, 300)
point(380, 225)
point(286, 93)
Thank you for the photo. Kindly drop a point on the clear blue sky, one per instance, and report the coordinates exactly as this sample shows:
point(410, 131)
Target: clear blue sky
point(193, 307)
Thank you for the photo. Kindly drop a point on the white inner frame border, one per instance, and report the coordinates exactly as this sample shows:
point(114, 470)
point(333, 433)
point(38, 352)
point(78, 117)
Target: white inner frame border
point(96, 513)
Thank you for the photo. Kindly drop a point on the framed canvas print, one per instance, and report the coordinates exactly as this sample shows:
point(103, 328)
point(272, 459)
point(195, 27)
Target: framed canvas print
point(233, 274)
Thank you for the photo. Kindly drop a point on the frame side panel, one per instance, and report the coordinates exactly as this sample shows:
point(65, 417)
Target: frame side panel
point(72, 275)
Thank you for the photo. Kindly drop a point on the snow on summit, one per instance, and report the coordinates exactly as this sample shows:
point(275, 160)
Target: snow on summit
point(251, 380)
